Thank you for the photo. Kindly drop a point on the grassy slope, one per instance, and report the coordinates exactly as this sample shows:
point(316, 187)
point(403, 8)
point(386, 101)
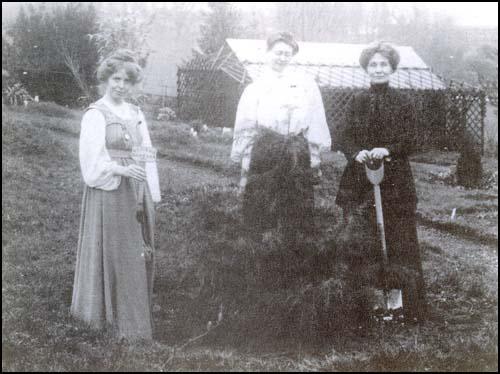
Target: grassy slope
point(40, 212)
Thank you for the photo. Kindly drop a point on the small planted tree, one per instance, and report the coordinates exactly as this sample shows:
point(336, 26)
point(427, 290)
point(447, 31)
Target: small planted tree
point(469, 167)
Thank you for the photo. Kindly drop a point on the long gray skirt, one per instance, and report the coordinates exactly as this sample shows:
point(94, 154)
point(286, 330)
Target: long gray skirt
point(114, 273)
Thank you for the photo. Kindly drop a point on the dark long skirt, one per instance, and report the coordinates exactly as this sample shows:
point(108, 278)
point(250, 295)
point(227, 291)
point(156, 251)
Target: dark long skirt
point(405, 264)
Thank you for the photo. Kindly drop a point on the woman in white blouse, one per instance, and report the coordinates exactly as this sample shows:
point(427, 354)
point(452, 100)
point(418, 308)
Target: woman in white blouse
point(115, 257)
point(288, 103)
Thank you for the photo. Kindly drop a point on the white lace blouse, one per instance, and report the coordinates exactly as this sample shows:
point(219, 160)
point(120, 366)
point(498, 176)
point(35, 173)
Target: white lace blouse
point(287, 103)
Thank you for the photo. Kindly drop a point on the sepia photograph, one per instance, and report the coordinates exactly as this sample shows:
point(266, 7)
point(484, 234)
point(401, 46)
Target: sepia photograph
point(250, 186)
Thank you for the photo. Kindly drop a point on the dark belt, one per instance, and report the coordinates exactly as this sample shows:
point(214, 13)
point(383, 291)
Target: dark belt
point(121, 153)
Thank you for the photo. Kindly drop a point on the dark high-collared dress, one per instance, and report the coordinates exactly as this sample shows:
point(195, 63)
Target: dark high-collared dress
point(383, 117)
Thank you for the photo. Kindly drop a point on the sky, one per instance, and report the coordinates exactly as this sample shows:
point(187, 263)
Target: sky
point(480, 14)
point(465, 14)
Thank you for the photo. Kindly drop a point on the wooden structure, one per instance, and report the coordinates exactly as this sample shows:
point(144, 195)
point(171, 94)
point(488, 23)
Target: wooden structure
point(209, 88)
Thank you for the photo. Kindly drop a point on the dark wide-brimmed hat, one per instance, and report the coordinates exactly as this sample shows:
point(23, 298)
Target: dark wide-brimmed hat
point(284, 37)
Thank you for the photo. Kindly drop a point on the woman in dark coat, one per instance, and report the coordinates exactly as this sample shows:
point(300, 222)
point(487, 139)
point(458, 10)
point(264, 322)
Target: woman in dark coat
point(380, 123)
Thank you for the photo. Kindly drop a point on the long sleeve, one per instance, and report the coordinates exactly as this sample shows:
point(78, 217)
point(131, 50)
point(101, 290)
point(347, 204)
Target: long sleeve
point(245, 125)
point(319, 132)
point(96, 165)
point(346, 132)
point(151, 167)
point(318, 135)
point(406, 131)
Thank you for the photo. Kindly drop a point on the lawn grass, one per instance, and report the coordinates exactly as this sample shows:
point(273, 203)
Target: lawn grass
point(476, 210)
point(41, 198)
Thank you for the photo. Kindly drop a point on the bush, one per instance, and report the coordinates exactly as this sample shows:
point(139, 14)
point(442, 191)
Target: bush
point(259, 286)
point(469, 168)
point(15, 94)
point(166, 113)
point(279, 191)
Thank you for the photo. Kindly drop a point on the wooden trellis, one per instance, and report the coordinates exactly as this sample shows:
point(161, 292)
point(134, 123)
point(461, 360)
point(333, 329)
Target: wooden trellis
point(491, 89)
point(447, 118)
point(465, 111)
point(206, 94)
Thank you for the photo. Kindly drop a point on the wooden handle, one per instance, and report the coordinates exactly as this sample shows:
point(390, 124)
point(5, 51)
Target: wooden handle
point(380, 223)
point(375, 176)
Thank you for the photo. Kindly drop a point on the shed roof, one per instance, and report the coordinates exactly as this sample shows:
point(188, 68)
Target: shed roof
point(330, 64)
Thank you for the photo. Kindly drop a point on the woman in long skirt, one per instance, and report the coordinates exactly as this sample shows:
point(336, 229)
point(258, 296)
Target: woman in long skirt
point(380, 123)
point(279, 133)
point(115, 259)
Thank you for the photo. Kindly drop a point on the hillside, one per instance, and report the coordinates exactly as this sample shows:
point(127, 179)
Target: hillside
point(41, 198)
